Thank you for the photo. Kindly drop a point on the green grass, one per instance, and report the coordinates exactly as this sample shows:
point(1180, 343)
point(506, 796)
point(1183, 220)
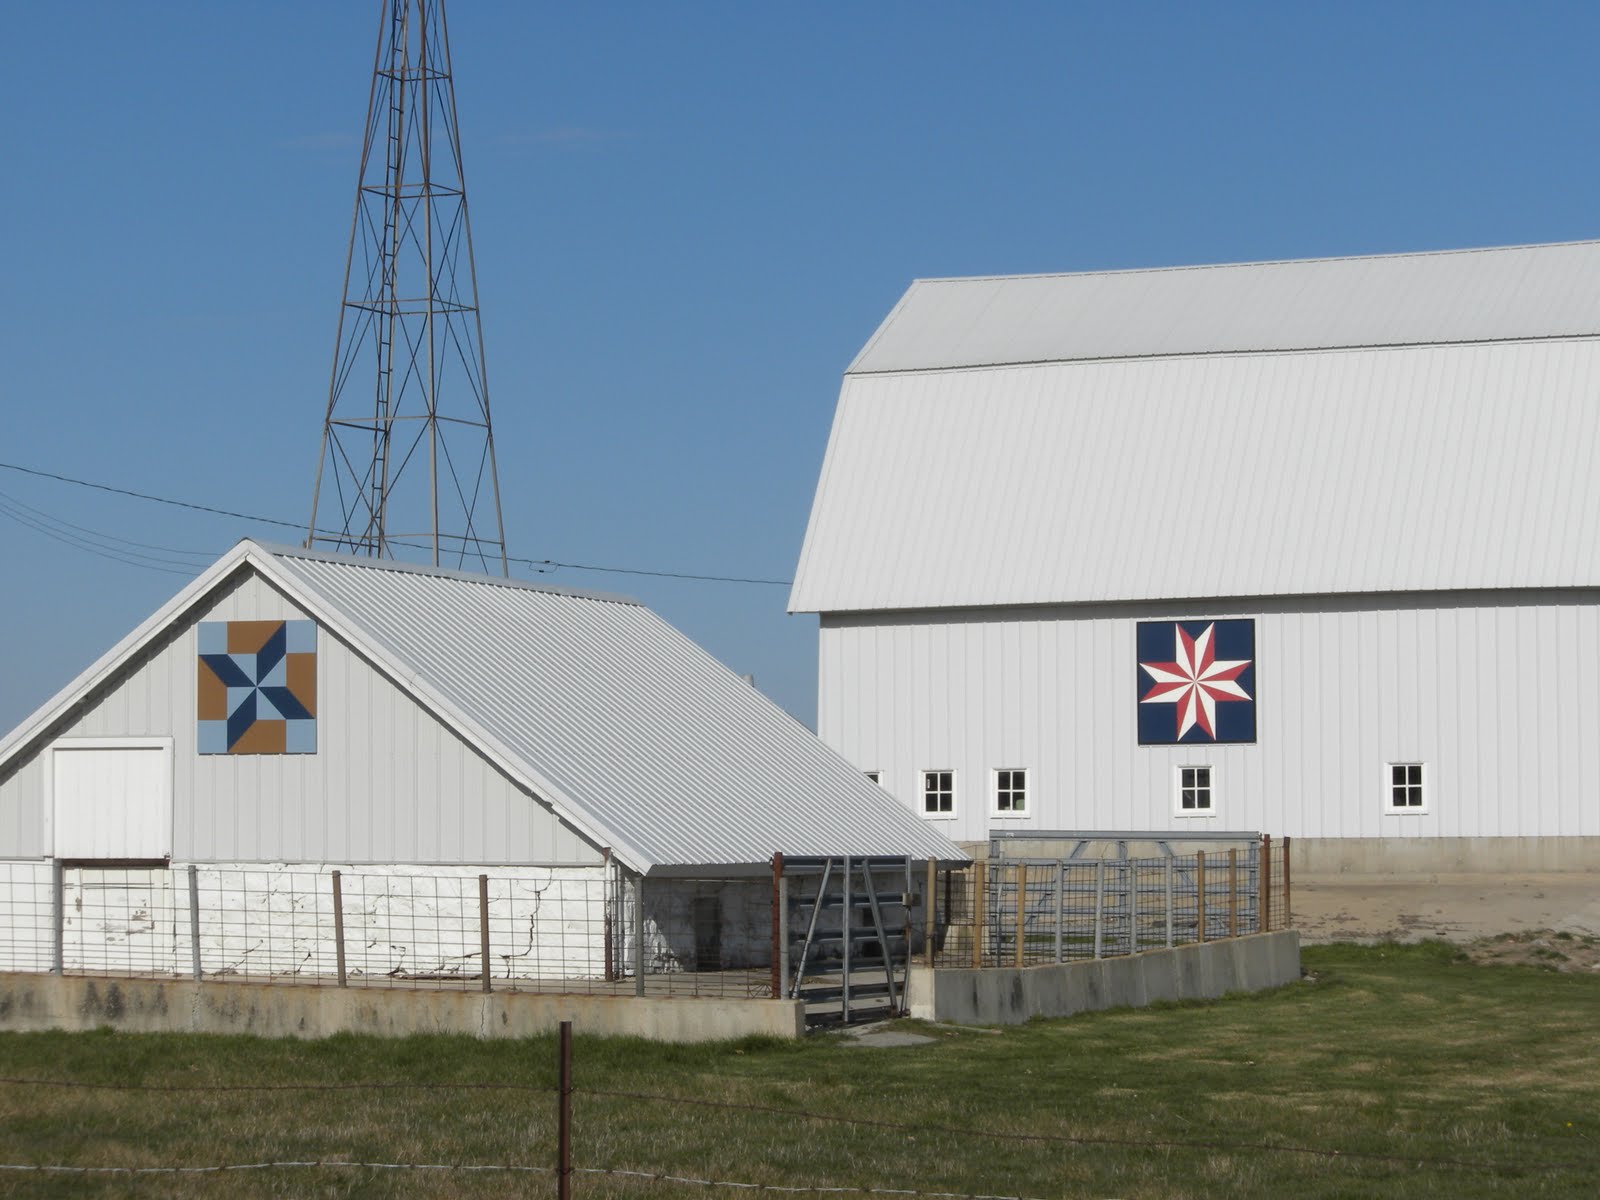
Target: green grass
point(1458, 1080)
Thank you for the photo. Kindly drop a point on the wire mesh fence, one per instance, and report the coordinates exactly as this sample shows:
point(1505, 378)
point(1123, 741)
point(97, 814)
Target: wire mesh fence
point(547, 930)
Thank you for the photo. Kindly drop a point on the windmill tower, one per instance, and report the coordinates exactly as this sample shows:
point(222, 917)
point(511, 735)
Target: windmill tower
point(407, 459)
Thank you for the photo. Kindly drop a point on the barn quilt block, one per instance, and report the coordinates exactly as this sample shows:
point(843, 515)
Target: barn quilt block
point(257, 687)
point(1197, 682)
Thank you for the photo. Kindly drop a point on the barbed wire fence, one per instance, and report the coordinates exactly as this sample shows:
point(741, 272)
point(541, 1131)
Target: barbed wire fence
point(564, 1173)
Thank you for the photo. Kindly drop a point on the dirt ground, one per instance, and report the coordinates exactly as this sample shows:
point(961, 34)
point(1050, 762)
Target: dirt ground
point(1458, 908)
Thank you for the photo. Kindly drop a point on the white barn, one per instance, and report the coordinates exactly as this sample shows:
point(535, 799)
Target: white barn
point(1310, 548)
point(290, 713)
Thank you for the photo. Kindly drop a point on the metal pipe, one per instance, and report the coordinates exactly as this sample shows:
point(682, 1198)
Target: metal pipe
point(846, 912)
point(1099, 907)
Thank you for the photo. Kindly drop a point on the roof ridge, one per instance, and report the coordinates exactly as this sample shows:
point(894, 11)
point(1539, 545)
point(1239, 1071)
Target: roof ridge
point(1264, 262)
point(283, 550)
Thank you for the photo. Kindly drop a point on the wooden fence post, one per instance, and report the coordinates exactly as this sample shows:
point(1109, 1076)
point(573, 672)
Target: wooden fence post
point(194, 920)
point(1200, 895)
point(564, 1116)
point(778, 932)
point(338, 925)
point(930, 914)
point(1099, 907)
point(483, 931)
point(979, 892)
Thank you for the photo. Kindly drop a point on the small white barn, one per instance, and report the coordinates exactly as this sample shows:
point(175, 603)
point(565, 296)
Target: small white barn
point(290, 713)
point(1311, 548)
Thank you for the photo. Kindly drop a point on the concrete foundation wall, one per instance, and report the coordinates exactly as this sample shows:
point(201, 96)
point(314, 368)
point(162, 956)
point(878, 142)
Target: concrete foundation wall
point(1009, 996)
point(30, 1003)
point(1430, 856)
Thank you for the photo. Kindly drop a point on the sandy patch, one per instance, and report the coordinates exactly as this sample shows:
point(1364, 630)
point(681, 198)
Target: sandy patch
point(1458, 908)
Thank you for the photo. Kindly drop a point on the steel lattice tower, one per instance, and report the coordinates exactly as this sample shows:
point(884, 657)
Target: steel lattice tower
point(409, 393)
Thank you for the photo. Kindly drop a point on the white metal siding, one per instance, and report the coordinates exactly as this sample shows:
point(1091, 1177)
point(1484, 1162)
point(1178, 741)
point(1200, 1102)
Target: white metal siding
point(387, 784)
point(1496, 294)
point(111, 801)
point(1425, 468)
point(1497, 697)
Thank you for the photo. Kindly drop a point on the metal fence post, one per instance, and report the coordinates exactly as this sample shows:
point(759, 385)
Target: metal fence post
point(847, 914)
point(483, 931)
point(1169, 902)
point(1061, 903)
point(58, 906)
point(194, 921)
point(930, 912)
point(1022, 914)
point(338, 925)
point(1133, 906)
point(1099, 906)
point(979, 893)
point(638, 935)
point(1233, 892)
point(1200, 895)
point(564, 1116)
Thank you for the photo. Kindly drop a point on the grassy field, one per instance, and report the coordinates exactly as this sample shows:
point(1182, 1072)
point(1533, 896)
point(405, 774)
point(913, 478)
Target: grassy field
point(1409, 1071)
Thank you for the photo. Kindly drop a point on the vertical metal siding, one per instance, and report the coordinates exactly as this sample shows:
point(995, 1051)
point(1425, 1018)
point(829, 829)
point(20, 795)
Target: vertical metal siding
point(387, 784)
point(1495, 698)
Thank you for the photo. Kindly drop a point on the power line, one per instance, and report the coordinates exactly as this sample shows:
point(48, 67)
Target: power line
point(542, 565)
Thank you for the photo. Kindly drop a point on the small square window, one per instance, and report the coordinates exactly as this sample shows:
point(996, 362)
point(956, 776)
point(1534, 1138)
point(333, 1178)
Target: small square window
point(1406, 790)
point(938, 793)
point(1011, 791)
point(1194, 793)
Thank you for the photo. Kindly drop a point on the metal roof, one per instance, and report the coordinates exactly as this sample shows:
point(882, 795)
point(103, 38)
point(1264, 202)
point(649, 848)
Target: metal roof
point(630, 731)
point(1419, 468)
point(1499, 294)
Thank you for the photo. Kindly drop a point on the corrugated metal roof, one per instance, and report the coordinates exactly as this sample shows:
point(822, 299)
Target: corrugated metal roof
point(1498, 294)
point(630, 730)
point(1372, 470)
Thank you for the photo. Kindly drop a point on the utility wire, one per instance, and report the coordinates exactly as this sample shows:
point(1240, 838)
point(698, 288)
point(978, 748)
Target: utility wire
point(543, 565)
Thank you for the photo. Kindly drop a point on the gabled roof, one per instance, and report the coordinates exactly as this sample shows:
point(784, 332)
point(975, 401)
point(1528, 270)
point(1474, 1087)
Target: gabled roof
point(1414, 423)
point(632, 733)
point(1497, 294)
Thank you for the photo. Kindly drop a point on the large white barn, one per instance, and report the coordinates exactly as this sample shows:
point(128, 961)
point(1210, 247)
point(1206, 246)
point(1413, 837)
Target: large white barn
point(1310, 548)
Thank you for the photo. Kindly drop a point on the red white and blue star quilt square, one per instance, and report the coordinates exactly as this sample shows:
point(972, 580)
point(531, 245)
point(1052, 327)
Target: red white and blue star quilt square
point(1197, 681)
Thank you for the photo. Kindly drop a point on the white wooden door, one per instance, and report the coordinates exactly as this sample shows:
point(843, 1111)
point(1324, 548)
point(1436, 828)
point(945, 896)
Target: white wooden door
point(112, 801)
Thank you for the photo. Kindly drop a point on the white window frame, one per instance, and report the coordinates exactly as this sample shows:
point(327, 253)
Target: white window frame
point(1026, 790)
point(1418, 810)
point(922, 793)
point(874, 777)
point(1178, 810)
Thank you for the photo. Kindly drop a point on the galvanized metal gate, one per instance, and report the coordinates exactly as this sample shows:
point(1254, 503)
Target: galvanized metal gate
point(844, 935)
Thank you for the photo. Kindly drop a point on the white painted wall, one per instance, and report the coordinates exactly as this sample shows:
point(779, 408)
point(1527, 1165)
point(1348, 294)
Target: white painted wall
point(388, 783)
point(1497, 693)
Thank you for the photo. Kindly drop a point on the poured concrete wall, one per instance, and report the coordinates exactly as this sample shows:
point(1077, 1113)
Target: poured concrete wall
point(1009, 996)
point(39, 1002)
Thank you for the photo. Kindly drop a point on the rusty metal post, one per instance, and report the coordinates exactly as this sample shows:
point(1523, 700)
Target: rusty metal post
point(979, 894)
point(483, 931)
point(1264, 924)
point(930, 914)
point(338, 926)
point(1022, 914)
point(1200, 895)
point(778, 938)
point(1287, 923)
point(564, 1117)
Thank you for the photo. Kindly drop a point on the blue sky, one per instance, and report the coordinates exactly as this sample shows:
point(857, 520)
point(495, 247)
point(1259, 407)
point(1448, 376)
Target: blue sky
point(688, 219)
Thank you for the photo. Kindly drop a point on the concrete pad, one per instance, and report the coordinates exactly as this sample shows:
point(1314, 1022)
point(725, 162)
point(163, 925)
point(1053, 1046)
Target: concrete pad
point(1458, 907)
point(880, 1034)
